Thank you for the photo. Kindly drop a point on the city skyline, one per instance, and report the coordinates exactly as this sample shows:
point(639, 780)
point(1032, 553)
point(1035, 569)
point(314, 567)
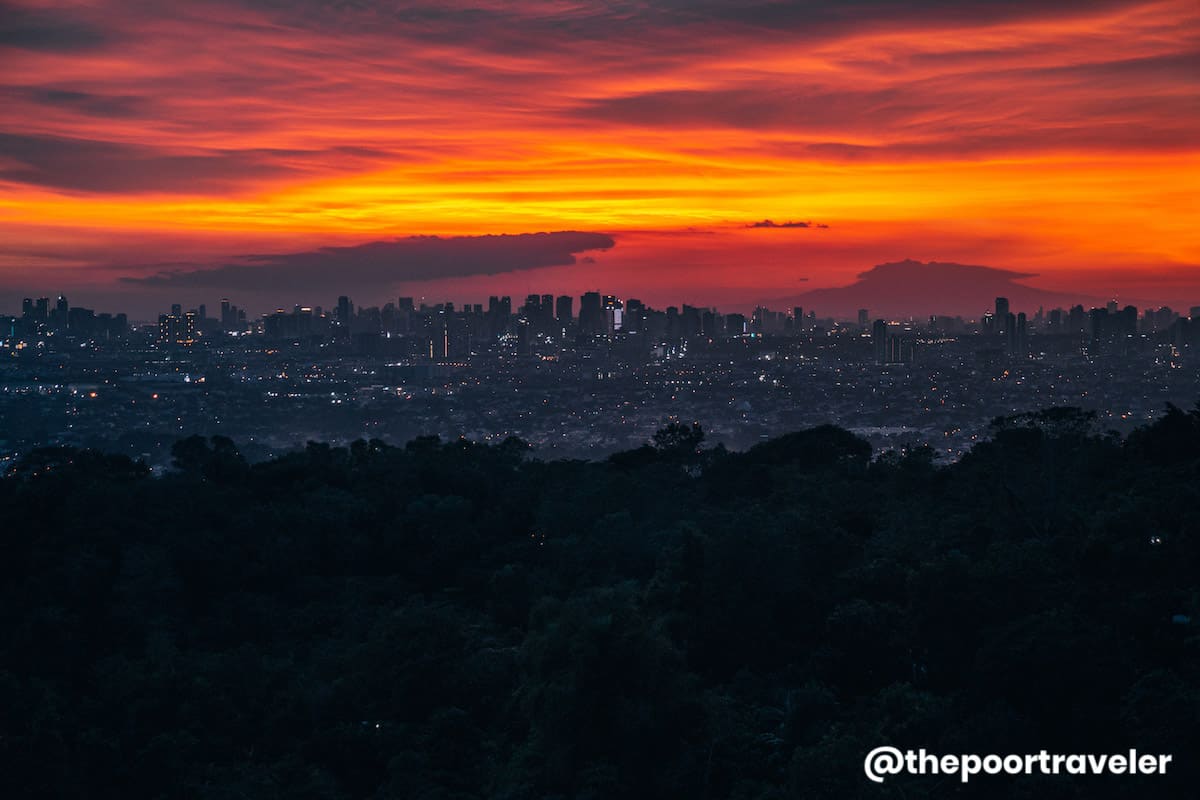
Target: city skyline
point(40, 308)
point(893, 290)
point(742, 152)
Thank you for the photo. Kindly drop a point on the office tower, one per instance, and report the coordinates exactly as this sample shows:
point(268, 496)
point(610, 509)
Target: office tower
point(27, 308)
point(58, 317)
point(498, 313)
point(345, 310)
point(564, 308)
point(41, 309)
point(635, 315)
point(1100, 327)
point(689, 321)
point(672, 322)
point(1075, 319)
point(862, 317)
point(591, 314)
point(1127, 324)
point(879, 337)
point(1001, 317)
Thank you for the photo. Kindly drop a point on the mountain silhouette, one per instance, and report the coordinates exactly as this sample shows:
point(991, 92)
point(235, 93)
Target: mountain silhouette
point(914, 288)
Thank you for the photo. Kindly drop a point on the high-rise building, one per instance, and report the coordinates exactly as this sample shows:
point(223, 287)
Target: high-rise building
point(1100, 326)
point(563, 310)
point(863, 317)
point(1001, 318)
point(879, 336)
point(1076, 319)
point(635, 315)
point(178, 328)
point(533, 306)
point(1021, 336)
point(81, 321)
point(591, 314)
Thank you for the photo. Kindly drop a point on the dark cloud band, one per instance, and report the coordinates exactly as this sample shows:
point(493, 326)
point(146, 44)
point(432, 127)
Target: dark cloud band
point(377, 265)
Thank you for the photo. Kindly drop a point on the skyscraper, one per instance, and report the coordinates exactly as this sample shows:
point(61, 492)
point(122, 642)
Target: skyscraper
point(591, 314)
point(1002, 326)
point(879, 337)
point(564, 308)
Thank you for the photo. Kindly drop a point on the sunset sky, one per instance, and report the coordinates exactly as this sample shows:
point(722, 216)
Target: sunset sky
point(282, 152)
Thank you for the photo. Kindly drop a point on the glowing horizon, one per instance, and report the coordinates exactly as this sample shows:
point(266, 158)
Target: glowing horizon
point(137, 141)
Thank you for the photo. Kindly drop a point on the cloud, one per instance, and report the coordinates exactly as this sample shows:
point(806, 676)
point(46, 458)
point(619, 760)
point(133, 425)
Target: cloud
point(92, 165)
point(43, 29)
point(378, 265)
point(86, 103)
point(766, 223)
point(913, 287)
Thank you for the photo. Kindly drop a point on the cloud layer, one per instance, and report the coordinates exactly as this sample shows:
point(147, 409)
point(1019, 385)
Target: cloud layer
point(1060, 133)
point(377, 266)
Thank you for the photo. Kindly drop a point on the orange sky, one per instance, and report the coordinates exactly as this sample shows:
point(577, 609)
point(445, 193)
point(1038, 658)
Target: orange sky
point(137, 142)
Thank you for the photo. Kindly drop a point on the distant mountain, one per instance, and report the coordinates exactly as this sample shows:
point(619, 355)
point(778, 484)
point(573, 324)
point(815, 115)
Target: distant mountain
point(915, 288)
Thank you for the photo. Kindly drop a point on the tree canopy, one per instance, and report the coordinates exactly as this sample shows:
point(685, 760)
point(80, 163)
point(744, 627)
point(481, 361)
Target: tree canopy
point(452, 620)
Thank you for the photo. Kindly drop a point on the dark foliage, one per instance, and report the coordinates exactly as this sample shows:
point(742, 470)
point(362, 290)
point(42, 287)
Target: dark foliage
point(452, 620)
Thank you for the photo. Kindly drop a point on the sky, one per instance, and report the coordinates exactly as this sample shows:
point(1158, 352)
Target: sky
point(716, 153)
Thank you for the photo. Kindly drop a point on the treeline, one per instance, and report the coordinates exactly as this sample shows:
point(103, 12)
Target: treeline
point(449, 620)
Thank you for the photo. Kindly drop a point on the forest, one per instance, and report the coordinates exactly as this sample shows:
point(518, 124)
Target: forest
point(453, 620)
